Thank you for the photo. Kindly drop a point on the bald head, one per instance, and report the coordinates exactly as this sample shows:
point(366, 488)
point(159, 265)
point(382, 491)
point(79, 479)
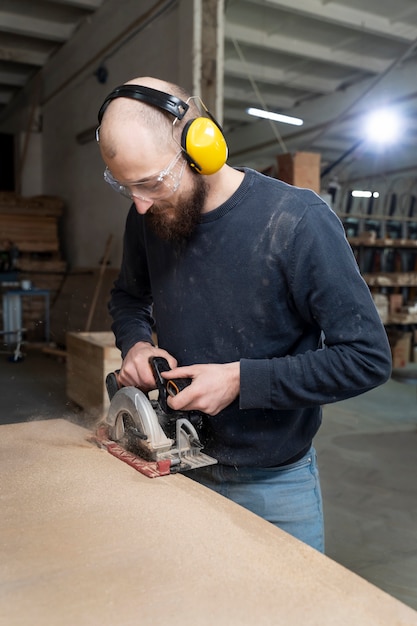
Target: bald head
point(128, 112)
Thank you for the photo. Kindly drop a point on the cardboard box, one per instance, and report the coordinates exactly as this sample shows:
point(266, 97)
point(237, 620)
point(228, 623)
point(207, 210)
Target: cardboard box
point(400, 348)
point(367, 237)
point(90, 357)
point(395, 303)
point(301, 169)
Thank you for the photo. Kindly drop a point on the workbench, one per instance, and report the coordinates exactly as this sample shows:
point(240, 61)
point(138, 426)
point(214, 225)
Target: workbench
point(87, 540)
point(13, 310)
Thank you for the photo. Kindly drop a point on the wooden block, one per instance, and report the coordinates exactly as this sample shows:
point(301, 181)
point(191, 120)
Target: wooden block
point(90, 357)
point(301, 169)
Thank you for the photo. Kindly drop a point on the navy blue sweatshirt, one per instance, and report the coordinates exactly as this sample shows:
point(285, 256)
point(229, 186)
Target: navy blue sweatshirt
point(263, 280)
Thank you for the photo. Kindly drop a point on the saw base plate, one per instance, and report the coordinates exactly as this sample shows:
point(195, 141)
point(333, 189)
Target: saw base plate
point(151, 469)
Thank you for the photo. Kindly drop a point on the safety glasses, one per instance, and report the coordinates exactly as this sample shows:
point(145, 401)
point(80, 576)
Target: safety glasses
point(156, 187)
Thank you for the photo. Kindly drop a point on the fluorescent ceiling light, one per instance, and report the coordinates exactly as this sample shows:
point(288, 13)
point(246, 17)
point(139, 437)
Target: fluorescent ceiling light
point(358, 193)
point(275, 117)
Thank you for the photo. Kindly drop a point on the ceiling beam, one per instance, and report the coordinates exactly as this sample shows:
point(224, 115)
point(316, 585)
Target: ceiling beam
point(255, 138)
point(6, 95)
point(263, 73)
point(343, 15)
point(14, 79)
point(35, 27)
point(87, 5)
point(247, 96)
point(318, 52)
point(19, 55)
point(233, 114)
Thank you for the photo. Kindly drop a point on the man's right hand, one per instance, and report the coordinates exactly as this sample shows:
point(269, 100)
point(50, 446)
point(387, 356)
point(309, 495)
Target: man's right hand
point(136, 370)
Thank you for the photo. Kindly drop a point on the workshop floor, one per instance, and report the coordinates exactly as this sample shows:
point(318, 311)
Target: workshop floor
point(367, 458)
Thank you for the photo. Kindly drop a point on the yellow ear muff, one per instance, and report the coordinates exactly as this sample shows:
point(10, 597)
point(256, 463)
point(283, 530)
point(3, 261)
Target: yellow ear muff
point(205, 145)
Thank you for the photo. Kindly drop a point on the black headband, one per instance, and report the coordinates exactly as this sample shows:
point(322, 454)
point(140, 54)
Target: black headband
point(173, 105)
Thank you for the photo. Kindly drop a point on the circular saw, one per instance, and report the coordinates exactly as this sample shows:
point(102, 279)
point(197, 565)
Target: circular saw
point(148, 434)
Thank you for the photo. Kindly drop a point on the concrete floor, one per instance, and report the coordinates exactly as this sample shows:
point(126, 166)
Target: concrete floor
point(367, 458)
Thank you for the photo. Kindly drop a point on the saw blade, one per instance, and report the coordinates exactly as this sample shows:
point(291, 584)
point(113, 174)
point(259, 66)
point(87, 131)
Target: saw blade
point(131, 404)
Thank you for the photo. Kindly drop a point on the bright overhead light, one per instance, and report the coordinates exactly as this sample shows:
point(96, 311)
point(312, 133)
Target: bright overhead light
point(358, 193)
point(275, 117)
point(382, 126)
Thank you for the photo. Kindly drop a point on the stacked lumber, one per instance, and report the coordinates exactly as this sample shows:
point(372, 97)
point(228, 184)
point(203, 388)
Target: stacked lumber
point(78, 298)
point(30, 233)
point(29, 225)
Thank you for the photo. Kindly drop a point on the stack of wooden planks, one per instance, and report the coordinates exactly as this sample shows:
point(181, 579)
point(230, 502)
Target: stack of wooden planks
point(29, 225)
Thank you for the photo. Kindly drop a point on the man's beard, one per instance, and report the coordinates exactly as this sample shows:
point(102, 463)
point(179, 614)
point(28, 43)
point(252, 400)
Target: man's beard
point(175, 222)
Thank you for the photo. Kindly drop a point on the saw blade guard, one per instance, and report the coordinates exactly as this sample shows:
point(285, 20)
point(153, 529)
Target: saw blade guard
point(134, 402)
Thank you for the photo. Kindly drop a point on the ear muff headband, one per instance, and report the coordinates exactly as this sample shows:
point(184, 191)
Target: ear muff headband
point(178, 108)
point(202, 139)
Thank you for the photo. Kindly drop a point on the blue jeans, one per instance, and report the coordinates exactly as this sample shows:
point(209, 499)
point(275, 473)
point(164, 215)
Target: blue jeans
point(289, 496)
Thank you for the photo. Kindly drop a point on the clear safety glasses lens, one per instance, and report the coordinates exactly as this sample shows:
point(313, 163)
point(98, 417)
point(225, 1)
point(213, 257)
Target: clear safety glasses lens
point(156, 187)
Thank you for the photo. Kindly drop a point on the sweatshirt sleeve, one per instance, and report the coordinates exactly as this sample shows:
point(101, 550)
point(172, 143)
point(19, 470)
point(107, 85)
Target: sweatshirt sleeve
point(130, 303)
point(329, 293)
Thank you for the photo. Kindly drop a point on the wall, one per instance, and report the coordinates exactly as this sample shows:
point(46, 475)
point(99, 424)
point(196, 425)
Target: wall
point(30, 178)
point(70, 98)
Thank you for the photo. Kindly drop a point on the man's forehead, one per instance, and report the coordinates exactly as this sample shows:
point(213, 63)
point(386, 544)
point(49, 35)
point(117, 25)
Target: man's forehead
point(120, 123)
point(121, 109)
point(134, 148)
point(130, 132)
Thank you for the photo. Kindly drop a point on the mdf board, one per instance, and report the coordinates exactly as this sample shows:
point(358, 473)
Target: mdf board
point(90, 357)
point(87, 540)
point(301, 169)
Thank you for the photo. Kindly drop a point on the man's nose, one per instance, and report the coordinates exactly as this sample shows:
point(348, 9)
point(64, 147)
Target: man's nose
point(142, 206)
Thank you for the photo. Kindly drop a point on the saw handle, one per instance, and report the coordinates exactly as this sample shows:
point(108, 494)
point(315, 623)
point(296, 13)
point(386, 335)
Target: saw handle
point(112, 383)
point(166, 387)
point(172, 385)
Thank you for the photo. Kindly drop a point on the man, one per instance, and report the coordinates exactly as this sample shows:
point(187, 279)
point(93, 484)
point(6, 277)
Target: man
point(257, 298)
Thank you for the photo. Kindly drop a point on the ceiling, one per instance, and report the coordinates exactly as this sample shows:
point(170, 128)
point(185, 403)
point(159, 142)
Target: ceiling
point(325, 61)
